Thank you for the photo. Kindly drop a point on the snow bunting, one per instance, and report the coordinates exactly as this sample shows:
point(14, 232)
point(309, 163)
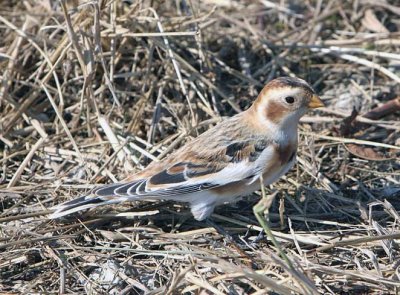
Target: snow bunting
point(223, 163)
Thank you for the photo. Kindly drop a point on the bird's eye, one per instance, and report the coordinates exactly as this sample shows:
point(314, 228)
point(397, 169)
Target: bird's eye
point(289, 99)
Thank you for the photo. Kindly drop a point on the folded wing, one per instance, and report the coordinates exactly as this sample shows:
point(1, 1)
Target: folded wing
point(189, 170)
point(195, 172)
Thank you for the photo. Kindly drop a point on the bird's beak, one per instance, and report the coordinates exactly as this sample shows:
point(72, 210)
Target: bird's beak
point(315, 102)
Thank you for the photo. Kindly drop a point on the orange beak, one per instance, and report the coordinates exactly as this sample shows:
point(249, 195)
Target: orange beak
point(315, 102)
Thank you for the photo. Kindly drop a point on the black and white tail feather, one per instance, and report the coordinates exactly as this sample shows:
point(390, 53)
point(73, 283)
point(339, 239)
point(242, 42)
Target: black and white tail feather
point(132, 191)
point(80, 204)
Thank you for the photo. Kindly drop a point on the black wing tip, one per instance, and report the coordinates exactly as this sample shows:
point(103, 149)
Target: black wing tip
point(165, 178)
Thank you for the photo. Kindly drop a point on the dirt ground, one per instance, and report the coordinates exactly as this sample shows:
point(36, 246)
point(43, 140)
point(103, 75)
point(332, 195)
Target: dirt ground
point(93, 91)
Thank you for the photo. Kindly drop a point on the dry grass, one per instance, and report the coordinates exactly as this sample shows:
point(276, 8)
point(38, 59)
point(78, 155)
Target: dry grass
point(91, 92)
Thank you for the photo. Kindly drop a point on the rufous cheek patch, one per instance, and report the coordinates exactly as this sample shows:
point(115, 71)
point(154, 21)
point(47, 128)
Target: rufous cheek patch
point(275, 111)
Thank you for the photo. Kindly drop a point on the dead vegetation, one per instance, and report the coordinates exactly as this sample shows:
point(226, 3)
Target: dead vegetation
point(93, 91)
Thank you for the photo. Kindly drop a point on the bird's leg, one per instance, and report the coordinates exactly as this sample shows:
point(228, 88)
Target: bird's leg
point(260, 236)
point(259, 209)
point(219, 229)
point(248, 260)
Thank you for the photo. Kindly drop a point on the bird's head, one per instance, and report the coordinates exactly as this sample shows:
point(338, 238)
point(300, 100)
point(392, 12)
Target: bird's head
point(285, 100)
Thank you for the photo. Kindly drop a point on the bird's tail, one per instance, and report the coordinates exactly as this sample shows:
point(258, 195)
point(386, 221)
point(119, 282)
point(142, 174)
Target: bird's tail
point(82, 203)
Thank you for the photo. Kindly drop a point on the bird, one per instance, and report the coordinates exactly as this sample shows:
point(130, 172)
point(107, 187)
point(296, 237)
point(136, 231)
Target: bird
point(222, 164)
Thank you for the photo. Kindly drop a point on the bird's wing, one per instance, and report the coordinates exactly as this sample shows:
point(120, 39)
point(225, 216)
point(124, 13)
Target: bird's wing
point(193, 169)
